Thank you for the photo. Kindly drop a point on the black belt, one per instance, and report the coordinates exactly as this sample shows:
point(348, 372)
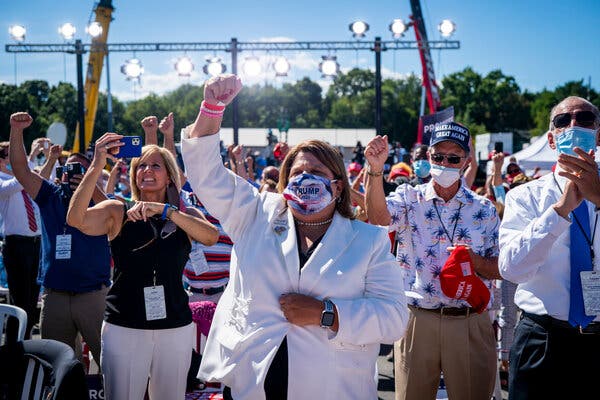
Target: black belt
point(451, 311)
point(33, 239)
point(207, 291)
point(547, 322)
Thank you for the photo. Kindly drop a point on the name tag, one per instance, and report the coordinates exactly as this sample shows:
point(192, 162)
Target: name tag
point(590, 285)
point(63, 247)
point(154, 298)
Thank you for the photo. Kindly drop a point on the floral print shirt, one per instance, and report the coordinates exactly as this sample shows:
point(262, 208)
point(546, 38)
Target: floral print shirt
point(426, 226)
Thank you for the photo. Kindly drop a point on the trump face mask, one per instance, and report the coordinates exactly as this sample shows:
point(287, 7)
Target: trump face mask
point(308, 194)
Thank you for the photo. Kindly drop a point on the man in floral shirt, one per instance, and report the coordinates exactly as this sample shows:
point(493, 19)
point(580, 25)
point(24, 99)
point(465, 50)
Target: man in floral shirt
point(445, 335)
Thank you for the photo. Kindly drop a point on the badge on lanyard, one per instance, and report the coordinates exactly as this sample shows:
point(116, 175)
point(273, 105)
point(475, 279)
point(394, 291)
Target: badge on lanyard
point(63, 247)
point(590, 285)
point(154, 299)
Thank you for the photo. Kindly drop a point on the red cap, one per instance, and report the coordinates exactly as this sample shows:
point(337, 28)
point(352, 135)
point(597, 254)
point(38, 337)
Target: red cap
point(459, 280)
point(354, 167)
point(396, 172)
point(277, 153)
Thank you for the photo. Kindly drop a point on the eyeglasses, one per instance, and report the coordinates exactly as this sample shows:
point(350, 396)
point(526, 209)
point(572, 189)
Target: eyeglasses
point(583, 118)
point(168, 228)
point(452, 159)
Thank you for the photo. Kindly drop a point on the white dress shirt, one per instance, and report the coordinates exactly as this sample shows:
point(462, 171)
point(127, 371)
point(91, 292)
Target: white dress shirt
point(535, 247)
point(12, 208)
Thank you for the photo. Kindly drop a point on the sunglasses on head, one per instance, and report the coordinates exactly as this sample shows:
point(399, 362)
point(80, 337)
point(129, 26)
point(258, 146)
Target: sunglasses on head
point(452, 159)
point(585, 119)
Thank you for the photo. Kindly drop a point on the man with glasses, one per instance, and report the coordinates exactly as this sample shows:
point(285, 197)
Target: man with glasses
point(445, 334)
point(548, 247)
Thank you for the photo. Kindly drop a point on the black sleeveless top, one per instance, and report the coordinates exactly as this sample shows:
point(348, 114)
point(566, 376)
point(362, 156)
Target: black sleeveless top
point(141, 252)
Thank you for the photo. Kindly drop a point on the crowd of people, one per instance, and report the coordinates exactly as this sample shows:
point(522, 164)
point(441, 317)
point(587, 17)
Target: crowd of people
point(294, 273)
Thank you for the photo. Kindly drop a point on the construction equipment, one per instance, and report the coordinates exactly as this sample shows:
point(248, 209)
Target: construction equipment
point(103, 11)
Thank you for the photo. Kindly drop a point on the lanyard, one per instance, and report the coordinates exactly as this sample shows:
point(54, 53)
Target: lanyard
point(442, 222)
point(589, 241)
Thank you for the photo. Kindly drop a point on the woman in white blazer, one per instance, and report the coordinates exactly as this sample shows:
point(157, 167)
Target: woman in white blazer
point(312, 291)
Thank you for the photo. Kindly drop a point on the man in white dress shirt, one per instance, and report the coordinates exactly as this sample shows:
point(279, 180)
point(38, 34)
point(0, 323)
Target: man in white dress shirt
point(547, 247)
point(21, 250)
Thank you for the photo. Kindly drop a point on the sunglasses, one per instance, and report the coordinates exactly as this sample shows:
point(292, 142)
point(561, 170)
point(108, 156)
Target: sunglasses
point(584, 119)
point(513, 171)
point(438, 158)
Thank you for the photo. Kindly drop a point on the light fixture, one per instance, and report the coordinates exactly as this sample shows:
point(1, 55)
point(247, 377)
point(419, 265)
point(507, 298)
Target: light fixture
point(17, 32)
point(252, 66)
point(184, 66)
point(447, 28)
point(359, 28)
point(94, 29)
point(398, 27)
point(132, 69)
point(281, 66)
point(329, 66)
point(67, 31)
point(214, 66)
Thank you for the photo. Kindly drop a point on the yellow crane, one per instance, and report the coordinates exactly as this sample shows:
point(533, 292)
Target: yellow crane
point(103, 13)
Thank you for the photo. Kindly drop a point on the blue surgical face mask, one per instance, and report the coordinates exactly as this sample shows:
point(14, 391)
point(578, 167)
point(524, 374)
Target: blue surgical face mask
point(576, 136)
point(422, 168)
point(308, 194)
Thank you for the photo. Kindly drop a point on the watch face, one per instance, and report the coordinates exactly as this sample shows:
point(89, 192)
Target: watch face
point(327, 319)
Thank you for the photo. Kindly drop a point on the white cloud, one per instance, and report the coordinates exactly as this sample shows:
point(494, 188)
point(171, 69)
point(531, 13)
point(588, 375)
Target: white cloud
point(159, 84)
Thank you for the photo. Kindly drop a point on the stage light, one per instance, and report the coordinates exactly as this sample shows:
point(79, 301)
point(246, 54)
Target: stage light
point(67, 31)
point(447, 28)
point(329, 66)
point(132, 69)
point(184, 66)
point(359, 28)
point(17, 32)
point(214, 66)
point(398, 27)
point(281, 66)
point(252, 66)
point(94, 29)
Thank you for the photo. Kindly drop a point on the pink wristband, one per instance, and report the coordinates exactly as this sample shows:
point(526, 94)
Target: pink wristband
point(212, 107)
point(206, 113)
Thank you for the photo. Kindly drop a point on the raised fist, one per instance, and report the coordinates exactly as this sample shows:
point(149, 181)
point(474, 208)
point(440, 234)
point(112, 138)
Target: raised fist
point(167, 125)
point(20, 120)
point(376, 153)
point(55, 151)
point(150, 122)
point(222, 89)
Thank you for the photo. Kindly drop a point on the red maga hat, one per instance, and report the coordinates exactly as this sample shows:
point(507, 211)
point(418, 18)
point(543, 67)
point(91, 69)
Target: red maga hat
point(459, 280)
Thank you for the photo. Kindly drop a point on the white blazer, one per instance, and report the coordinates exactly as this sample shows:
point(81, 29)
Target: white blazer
point(352, 265)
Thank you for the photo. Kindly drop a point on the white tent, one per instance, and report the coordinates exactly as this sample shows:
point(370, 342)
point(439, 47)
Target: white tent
point(537, 154)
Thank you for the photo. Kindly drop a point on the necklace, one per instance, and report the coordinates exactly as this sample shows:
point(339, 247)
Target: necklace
point(320, 223)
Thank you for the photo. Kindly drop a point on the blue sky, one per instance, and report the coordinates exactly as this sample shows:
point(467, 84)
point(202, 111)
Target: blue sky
point(541, 43)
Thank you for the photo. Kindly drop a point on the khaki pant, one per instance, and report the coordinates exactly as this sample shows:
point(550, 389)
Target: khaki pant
point(65, 314)
point(463, 348)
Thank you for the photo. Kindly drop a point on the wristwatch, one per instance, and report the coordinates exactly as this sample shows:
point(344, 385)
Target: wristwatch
point(328, 314)
point(170, 210)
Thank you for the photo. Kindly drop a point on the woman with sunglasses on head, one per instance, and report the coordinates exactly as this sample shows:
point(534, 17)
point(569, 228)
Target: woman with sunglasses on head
point(312, 292)
point(148, 330)
point(435, 222)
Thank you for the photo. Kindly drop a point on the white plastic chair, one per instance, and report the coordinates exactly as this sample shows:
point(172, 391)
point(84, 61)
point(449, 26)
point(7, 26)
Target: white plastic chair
point(6, 311)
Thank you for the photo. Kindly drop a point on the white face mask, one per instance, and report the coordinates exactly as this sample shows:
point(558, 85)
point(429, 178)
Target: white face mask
point(444, 176)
